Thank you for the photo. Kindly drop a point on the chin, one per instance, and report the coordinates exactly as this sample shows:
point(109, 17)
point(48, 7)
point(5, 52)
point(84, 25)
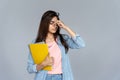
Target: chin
point(53, 31)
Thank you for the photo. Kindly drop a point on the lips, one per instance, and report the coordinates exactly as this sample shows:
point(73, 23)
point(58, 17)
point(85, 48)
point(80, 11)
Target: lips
point(54, 29)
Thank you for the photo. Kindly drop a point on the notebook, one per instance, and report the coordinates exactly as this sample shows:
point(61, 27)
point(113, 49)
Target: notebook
point(39, 52)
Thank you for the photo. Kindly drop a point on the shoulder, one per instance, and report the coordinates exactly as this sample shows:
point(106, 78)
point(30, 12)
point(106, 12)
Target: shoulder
point(34, 41)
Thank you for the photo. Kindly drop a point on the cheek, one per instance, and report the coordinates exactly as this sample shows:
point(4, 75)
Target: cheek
point(50, 27)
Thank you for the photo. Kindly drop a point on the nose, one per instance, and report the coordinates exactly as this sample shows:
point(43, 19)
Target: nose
point(55, 24)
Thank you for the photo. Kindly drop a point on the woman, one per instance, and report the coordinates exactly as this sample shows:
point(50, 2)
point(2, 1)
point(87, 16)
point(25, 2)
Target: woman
point(58, 45)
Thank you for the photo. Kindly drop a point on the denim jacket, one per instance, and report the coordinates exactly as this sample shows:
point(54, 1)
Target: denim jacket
point(73, 43)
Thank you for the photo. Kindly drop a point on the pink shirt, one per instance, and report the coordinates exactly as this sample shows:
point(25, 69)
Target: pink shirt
point(54, 51)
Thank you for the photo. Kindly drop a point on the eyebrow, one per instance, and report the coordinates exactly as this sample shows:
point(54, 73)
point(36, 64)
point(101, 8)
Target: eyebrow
point(52, 21)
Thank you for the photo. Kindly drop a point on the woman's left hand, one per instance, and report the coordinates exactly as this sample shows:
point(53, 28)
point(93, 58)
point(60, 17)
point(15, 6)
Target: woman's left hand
point(61, 24)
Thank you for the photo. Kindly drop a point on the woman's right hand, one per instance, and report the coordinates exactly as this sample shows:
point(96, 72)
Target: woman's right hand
point(47, 62)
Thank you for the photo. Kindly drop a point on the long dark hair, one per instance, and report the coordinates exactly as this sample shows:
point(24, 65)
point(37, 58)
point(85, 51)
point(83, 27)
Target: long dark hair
point(44, 26)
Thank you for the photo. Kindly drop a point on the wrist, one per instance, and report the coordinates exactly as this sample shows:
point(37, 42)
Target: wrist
point(65, 27)
point(43, 64)
point(40, 66)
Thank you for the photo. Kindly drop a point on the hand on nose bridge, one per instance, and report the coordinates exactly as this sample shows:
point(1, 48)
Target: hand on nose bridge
point(54, 23)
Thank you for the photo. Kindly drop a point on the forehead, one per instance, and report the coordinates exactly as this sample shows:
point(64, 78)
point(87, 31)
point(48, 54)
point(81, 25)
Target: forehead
point(54, 19)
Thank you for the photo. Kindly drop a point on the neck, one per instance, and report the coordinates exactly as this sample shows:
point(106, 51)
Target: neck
point(50, 36)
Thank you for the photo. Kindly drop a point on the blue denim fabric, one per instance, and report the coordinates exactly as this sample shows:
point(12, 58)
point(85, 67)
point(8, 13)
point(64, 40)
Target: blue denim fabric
point(54, 77)
point(73, 43)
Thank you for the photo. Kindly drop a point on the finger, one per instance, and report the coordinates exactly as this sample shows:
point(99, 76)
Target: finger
point(52, 59)
point(48, 54)
point(59, 24)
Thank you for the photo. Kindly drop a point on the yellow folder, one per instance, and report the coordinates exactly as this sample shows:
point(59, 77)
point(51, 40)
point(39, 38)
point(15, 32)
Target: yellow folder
point(39, 52)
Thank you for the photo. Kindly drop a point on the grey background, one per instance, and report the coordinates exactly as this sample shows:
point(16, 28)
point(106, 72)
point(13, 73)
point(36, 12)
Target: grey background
point(97, 21)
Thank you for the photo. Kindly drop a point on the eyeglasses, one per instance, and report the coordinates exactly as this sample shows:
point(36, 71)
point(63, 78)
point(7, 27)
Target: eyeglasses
point(53, 23)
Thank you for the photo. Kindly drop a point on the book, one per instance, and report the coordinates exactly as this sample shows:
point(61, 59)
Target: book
point(39, 52)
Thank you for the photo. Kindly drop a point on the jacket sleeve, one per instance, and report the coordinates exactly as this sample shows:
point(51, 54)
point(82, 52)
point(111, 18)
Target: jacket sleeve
point(74, 42)
point(31, 67)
